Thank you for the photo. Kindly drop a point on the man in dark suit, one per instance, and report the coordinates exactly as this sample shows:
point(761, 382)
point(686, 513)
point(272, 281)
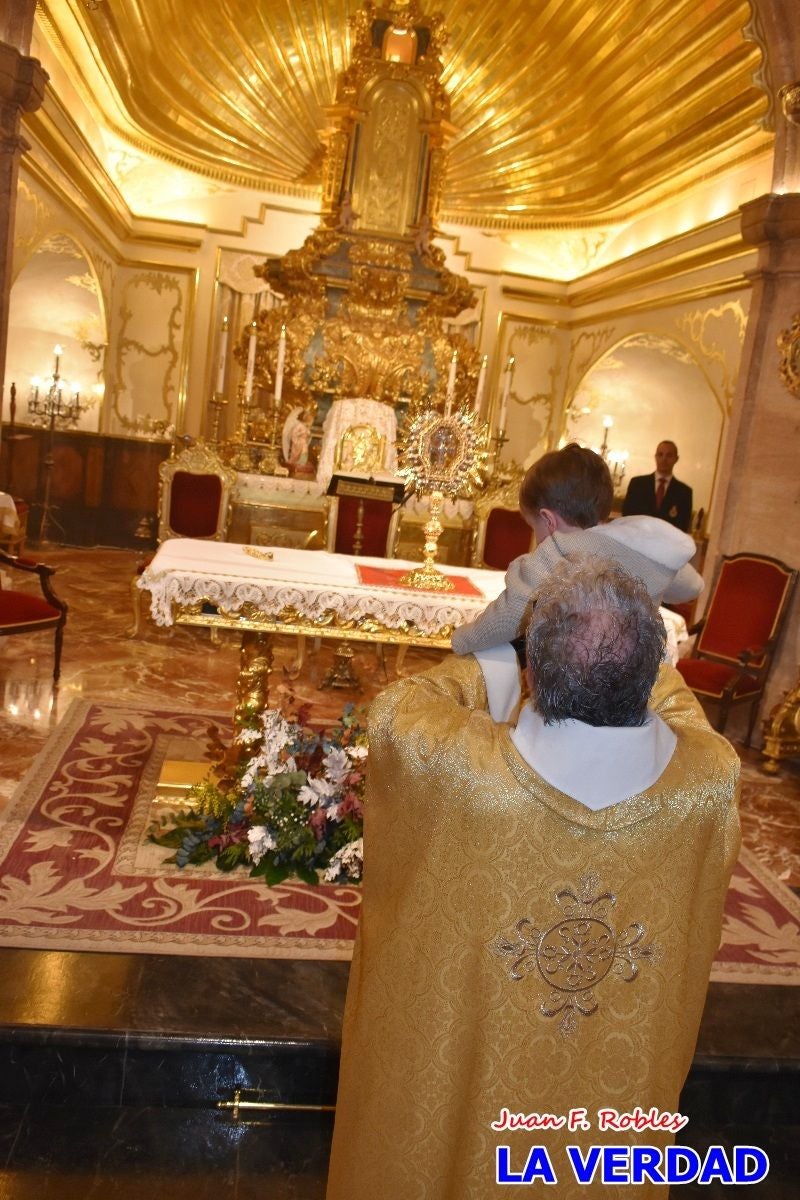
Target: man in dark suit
point(660, 494)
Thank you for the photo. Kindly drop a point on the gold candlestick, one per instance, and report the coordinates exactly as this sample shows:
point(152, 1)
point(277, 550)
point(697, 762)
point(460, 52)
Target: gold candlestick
point(427, 577)
point(240, 459)
point(217, 403)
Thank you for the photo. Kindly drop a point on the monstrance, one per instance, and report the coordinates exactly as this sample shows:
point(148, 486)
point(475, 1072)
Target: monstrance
point(443, 455)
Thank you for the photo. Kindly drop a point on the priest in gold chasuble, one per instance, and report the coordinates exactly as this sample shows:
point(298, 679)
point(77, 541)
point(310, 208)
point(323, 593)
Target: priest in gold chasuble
point(542, 905)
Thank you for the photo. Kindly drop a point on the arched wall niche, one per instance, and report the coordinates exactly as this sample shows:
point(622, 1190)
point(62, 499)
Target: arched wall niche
point(56, 299)
point(651, 387)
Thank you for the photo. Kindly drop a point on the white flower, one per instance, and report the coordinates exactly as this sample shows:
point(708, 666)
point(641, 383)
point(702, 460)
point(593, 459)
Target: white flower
point(357, 751)
point(278, 733)
point(349, 861)
point(248, 735)
point(308, 796)
point(260, 840)
point(323, 787)
point(336, 764)
point(317, 791)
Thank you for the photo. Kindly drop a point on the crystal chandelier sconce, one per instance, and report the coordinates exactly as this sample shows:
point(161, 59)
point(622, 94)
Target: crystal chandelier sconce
point(614, 459)
point(60, 405)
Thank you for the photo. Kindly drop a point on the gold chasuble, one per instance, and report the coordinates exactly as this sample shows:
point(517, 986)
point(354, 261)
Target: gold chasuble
point(521, 954)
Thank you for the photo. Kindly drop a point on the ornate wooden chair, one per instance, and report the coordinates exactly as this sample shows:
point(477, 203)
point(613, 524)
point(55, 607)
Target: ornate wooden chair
point(501, 532)
point(737, 636)
point(195, 490)
point(25, 612)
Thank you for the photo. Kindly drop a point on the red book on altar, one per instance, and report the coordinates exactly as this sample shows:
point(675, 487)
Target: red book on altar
point(391, 577)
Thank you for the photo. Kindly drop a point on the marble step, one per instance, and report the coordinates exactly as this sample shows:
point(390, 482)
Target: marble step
point(167, 1031)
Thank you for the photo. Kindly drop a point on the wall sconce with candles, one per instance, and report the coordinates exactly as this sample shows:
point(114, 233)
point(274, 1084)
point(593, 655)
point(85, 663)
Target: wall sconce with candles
point(53, 409)
point(614, 459)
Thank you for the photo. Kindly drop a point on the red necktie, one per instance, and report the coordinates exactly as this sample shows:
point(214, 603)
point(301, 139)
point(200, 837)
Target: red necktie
point(660, 493)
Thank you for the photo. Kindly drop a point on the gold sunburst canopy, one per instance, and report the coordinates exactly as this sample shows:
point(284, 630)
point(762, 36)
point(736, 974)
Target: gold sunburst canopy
point(572, 111)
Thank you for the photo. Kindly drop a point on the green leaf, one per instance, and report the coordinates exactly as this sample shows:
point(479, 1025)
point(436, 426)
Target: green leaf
point(171, 838)
point(201, 854)
point(306, 874)
point(232, 856)
point(275, 874)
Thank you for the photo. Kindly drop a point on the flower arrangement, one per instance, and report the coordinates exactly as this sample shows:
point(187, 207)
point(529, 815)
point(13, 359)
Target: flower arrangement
point(284, 800)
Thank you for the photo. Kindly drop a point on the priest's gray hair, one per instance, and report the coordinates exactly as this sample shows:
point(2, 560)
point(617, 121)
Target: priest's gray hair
point(594, 644)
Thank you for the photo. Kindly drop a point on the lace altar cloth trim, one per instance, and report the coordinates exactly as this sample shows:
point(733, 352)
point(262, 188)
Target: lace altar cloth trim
point(186, 571)
point(391, 577)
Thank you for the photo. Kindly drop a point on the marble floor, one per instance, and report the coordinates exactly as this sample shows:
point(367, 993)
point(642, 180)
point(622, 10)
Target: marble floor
point(111, 1066)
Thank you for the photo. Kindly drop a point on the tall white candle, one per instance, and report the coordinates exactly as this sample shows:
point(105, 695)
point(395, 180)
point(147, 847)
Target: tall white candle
point(222, 357)
point(280, 364)
point(481, 382)
point(251, 362)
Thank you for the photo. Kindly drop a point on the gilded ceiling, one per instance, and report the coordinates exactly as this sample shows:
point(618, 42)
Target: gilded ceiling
point(568, 111)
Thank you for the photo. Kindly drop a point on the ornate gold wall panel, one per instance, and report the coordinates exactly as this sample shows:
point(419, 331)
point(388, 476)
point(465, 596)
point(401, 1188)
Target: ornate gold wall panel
point(717, 334)
point(148, 344)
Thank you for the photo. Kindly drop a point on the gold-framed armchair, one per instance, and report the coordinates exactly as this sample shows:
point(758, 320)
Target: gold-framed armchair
point(362, 527)
point(194, 500)
point(500, 533)
point(359, 524)
point(195, 492)
point(738, 635)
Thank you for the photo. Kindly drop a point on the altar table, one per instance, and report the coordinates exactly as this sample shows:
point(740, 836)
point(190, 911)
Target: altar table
point(262, 591)
point(312, 592)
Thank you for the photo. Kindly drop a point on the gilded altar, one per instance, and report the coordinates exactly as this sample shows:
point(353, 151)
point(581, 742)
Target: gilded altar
point(363, 304)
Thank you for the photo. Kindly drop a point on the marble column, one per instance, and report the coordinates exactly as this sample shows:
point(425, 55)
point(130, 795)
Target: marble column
point(761, 508)
point(759, 504)
point(22, 84)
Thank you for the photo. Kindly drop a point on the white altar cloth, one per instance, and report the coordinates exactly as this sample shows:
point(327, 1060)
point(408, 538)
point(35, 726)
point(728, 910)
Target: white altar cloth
point(187, 571)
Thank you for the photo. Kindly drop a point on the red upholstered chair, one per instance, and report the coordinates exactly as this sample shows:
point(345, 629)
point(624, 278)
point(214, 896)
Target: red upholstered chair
point(501, 536)
point(26, 612)
point(195, 490)
point(736, 638)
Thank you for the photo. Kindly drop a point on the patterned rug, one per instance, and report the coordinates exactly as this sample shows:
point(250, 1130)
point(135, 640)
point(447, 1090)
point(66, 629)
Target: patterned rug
point(78, 872)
